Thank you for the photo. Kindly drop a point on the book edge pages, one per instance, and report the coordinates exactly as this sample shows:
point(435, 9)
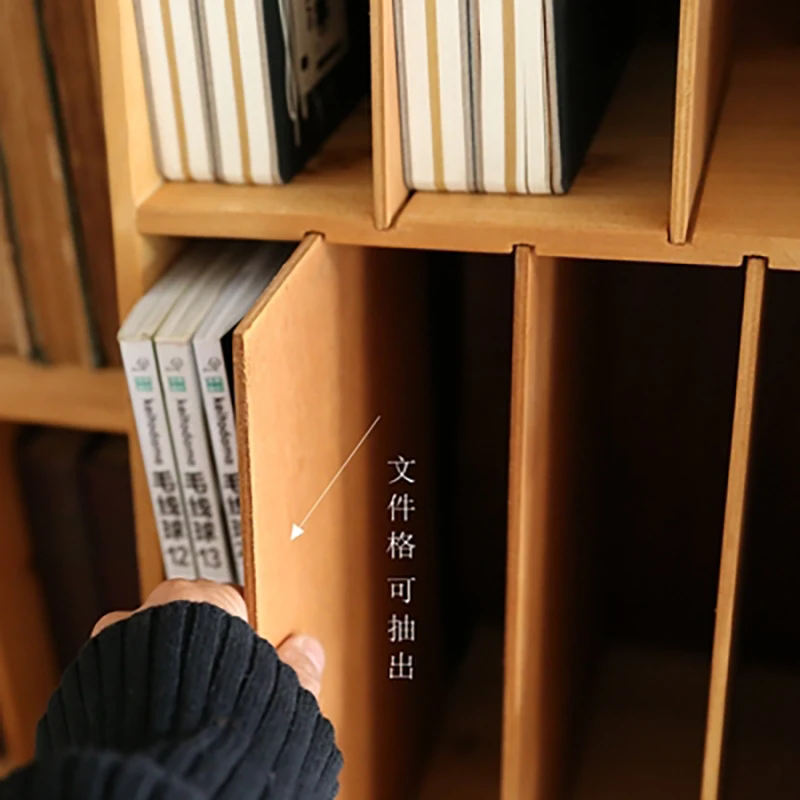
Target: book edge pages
point(474, 78)
point(193, 306)
point(256, 93)
point(533, 169)
point(452, 61)
point(417, 80)
point(556, 155)
point(164, 122)
point(219, 69)
point(402, 92)
point(213, 122)
point(489, 39)
point(155, 136)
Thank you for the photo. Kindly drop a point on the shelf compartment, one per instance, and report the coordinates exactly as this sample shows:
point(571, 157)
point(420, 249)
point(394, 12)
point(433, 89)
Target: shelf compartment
point(619, 204)
point(465, 764)
point(763, 736)
point(332, 195)
point(622, 411)
point(751, 198)
point(339, 346)
point(63, 396)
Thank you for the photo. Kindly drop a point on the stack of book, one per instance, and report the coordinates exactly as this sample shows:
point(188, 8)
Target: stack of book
point(76, 489)
point(176, 349)
point(505, 95)
point(57, 284)
point(245, 91)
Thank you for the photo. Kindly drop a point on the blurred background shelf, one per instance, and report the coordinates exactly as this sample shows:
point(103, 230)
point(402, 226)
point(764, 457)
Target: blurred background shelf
point(66, 396)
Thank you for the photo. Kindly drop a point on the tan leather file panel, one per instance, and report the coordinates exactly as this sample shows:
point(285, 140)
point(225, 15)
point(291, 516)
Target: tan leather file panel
point(332, 385)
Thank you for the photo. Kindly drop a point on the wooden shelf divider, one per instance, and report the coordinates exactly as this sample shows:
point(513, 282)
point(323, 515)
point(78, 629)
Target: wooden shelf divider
point(733, 532)
point(705, 40)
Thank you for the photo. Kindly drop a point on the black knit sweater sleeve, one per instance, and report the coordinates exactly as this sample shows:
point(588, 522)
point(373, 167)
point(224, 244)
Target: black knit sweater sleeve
point(181, 701)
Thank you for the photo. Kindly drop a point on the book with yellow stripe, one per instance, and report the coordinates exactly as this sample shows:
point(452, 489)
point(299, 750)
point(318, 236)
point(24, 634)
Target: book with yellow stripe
point(174, 71)
point(279, 79)
point(434, 73)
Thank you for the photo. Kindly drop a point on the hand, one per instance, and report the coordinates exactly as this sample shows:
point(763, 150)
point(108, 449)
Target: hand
point(303, 653)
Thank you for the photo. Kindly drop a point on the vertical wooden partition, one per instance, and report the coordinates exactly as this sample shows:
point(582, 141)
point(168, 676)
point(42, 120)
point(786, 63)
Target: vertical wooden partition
point(733, 534)
point(545, 506)
point(705, 39)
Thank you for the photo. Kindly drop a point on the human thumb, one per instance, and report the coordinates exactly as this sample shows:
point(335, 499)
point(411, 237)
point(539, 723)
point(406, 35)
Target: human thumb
point(306, 656)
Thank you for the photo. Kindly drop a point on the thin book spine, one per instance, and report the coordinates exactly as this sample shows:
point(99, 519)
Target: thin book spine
point(152, 427)
point(190, 440)
point(218, 403)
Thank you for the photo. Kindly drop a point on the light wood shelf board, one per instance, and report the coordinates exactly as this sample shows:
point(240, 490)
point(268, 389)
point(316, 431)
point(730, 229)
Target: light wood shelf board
point(66, 396)
point(751, 199)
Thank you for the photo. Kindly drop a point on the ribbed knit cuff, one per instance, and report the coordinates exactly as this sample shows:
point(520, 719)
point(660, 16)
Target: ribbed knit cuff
point(197, 692)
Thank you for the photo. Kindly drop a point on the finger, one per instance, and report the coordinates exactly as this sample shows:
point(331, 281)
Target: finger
point(109, 619)
point(306, 656)
point(221, 595)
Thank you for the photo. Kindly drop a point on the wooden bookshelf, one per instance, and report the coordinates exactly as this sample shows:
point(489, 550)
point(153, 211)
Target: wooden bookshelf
point(693, 164)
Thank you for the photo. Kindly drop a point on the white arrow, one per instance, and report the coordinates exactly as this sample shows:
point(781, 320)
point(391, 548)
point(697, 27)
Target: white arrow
point(299, 530)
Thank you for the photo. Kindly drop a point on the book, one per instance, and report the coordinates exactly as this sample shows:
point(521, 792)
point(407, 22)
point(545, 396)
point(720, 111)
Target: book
point(149, 409)
point(37, 194)
point(435, 88)
point(184, 406)
point(107, 500)
point(280, 79)
point(175, 82)
point(49, 468)
point(14, 334)
point(212, 345)
point(70, 40)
